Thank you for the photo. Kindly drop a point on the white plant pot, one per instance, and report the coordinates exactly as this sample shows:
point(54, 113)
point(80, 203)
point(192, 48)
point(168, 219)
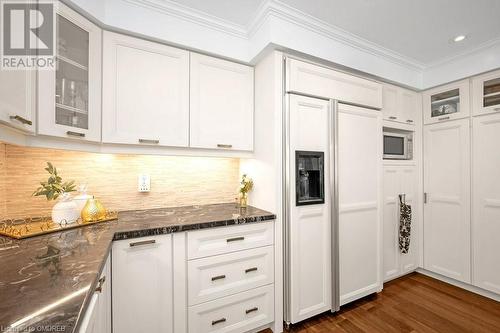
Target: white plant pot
point(65, 212)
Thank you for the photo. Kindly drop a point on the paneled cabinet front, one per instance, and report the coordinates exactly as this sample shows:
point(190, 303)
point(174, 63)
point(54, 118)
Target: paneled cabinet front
point(146, 92)
point(447, 207)
point(18, 99)
point(399, 180)
point(143, 285)
point(69, 97)
point(221, 104)
point(401, 105)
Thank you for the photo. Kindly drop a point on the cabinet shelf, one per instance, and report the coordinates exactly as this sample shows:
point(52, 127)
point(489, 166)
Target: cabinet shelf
point(71, 109)
point(449, 99)
point(72, 62)
point(492, 94)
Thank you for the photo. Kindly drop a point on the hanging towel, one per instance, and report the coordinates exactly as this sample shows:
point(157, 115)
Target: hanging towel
point(404, 225)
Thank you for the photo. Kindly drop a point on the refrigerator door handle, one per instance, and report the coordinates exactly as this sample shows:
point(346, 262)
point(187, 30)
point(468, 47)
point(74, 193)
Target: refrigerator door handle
point(334, 204)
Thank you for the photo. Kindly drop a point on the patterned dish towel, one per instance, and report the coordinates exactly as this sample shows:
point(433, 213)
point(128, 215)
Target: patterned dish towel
point(404, 225)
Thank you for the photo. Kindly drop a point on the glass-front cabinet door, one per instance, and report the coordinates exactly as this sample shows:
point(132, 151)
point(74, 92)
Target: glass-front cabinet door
point(70, 96)
point(486, 93)
point(447, 102)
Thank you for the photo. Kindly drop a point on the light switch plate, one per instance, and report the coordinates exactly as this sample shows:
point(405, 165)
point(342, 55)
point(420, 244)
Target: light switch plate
point(144, 183)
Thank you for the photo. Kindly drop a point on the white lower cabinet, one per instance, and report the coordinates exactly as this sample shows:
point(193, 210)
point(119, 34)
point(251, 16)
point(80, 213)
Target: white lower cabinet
point(359, 186)
point(399, 180)
point(241, 312)
point(447, 189)
point(486, 202)
point(142, 285)
point(97, 318)
point(157, 288)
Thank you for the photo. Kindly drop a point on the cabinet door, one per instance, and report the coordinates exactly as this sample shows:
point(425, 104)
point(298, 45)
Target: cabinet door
point(360, 196)
point(390, 102)
point(18, 99)
point(310, 225)
point(142, 285)
point(392, 187)
point(447, 186)
point(486, 93)
point(409, 106)
point(221, 103)
point(146, 92)
point(69, 98)
point(486, 202)
point(447, 102)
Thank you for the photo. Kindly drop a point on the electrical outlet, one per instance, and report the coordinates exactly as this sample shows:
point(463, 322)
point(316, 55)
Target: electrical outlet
point(144, 183)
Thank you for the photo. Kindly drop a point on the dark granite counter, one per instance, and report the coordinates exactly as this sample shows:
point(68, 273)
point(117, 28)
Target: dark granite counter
point(47, 281)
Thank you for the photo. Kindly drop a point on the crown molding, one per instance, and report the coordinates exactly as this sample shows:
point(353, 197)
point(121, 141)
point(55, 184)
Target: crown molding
point(280, 10)
point(186, 13)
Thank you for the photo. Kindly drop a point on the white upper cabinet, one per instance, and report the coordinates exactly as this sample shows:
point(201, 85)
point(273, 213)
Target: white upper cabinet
point(446, 213)
point(221, 104)
point(486, 202)
point(486, 93)
point(401, 105)
point(18, 99)
point(448, 102)
point(69, 98)
point(146, 92)
point(327, 83)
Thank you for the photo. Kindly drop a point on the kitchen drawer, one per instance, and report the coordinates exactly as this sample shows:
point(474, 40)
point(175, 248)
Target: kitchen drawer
point(237, 313)
point(227, 274)
point(216, 241)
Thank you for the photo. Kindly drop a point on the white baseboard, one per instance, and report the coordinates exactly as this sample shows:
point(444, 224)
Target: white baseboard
point(459, 284)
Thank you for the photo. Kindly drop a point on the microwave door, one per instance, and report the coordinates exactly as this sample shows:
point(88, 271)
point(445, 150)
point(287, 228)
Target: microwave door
point(394, 147)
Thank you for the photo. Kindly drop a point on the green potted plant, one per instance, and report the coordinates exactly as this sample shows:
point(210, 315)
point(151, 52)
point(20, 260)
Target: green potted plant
point(65, 210)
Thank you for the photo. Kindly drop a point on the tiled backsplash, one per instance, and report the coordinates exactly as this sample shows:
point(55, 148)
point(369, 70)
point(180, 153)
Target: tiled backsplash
point(112, 178)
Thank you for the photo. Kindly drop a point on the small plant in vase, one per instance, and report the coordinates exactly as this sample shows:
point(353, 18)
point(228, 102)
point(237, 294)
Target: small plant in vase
point(246, 185)
point(65, 210)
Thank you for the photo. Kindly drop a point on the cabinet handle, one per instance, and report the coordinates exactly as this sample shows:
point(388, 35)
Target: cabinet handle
point(218, 277)
point(21, 120)
point(425, 197)
point(248, 270)
point(393, 118)
point(77, 134)
point(443, 118)
point(146, 242)
point(149, 141)
point(229, 240)
point(496, 109)
point(220, 145)
point(218, 321)
point(251, 310)
point(101, 281)
point(409, 121)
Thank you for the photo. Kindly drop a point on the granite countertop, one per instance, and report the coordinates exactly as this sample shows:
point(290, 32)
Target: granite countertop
point(47, 281)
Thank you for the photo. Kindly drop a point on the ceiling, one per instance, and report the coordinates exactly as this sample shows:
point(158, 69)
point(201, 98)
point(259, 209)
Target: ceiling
point(420, 31)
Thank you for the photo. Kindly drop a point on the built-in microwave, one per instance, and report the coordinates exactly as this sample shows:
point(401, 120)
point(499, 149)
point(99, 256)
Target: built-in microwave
point(398, 146)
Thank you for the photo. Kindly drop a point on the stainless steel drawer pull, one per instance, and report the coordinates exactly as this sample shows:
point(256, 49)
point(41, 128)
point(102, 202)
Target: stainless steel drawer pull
point(149, 141)
point(146, 242)
point(409, 121)
point(100, 284)
point(218, 321)
point(444, 118)
point(80, 135)
point(248, 270)
point(21, 120)
point(218, 277)
point(220, 145)
point(496, 109)
point(229, 240)
point(392, 117)
point(251, 310)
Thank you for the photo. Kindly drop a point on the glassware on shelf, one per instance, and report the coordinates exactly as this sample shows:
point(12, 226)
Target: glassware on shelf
point(491, 92)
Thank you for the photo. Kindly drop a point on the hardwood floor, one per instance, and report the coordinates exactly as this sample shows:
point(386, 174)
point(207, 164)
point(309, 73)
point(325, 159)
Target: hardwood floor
point(414, 303)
